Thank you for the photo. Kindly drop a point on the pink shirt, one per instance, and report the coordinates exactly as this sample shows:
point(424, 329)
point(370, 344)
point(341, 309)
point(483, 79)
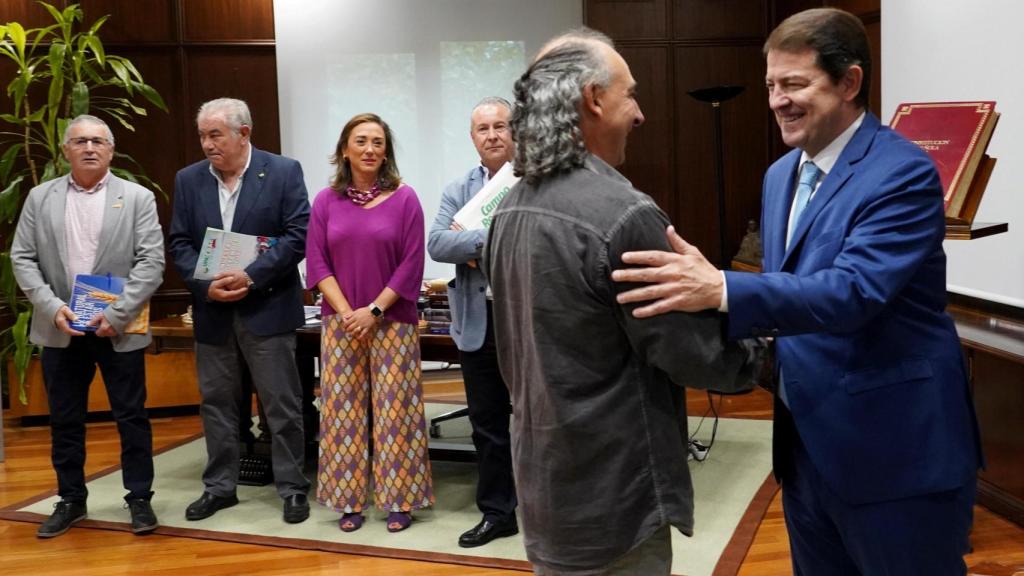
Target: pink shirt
point(366, 249)
point(83, 221)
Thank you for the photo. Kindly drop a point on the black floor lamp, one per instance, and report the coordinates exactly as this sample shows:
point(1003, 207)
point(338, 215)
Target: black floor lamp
point(715, 95)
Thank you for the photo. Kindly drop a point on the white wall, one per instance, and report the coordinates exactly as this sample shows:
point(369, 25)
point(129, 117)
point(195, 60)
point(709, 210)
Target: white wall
point(954, 50)
point(420, 64)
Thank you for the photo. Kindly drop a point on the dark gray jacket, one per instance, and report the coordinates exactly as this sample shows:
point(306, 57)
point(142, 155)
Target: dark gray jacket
point(599, 438)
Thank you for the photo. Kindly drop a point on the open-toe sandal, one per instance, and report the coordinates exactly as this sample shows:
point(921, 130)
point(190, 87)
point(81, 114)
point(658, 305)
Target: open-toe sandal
point(398, 521)
point(350, 521)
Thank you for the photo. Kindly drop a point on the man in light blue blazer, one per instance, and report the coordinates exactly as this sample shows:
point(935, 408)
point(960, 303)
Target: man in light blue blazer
point(91, 222)
point(472, 326)
point(876, 441)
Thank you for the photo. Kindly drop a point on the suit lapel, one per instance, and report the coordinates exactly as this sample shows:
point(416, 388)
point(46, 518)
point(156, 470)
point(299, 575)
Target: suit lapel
point(833, 182)
point(113, 212)
point(209, 200)
point(55, 205)
point(252, 185)
point(778, 220)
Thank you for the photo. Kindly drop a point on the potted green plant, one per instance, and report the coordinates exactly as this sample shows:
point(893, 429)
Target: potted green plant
point(62, 70)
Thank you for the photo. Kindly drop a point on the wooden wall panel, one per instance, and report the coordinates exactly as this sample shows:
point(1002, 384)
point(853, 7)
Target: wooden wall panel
point(745, 128)
point(718, 19)
point(143, 22)
point(248, 74)
point(633, 19)
point(998, 386)
point(28, 13)
point(649, 153)
point(228, 20)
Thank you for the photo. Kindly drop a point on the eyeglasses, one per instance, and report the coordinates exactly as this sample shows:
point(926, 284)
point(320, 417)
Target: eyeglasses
point(83, 142)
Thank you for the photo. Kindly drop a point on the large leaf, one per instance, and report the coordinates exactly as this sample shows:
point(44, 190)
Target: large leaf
point(138, 176)
point(22, 351)
point(50, 171)
point(79, 99)
point(9, 198)
point(97, 48)
point(121, 72)
point(57, 15)
point(8, 159)
point(96, 25)
point(8, 283)
point(37, 115)
point(152, 95)
point(131, 68)
point(17, 35)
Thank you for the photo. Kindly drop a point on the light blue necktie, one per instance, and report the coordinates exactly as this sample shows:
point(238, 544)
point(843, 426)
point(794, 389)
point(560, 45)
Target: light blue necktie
point(809, 174)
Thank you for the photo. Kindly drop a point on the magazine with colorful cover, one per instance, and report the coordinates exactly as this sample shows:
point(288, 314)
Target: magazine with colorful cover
point(223, 250)
point(91, 294)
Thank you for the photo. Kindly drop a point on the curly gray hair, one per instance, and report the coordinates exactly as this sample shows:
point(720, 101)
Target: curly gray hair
point(546, 116)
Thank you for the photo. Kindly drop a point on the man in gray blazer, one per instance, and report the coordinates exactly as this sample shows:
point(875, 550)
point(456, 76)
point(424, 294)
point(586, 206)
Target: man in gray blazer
point(486, 393)
point(91, 222)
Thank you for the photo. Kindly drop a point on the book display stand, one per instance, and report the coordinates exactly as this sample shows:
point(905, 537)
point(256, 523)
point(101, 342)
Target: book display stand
point(956, 135)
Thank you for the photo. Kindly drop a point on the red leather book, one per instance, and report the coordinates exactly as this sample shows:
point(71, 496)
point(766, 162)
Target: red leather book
point(955, 135)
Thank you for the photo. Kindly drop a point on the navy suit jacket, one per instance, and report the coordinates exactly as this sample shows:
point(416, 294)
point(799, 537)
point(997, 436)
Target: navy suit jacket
point(272, 202)
point(872, 364)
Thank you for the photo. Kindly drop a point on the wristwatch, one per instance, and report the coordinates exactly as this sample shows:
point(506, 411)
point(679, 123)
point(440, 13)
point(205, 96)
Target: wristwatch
point(377, 311)
point(248, 280)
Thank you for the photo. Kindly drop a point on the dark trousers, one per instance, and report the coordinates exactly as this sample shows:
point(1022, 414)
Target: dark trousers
point(271, 362)
point(67, 373)
point(489, 410)
point(920, 535)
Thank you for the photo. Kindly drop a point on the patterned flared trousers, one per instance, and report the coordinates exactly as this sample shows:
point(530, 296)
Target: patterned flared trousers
point(376, 378)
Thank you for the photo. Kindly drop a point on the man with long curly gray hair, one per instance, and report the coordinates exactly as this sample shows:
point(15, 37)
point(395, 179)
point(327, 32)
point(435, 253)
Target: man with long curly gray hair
point(599, 439)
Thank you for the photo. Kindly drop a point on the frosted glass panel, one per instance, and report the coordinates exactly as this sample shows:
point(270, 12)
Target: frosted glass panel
point(471, 71)
point(420, 64)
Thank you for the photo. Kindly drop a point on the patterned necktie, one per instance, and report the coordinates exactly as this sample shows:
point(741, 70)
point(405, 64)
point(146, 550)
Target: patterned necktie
point(809, 174)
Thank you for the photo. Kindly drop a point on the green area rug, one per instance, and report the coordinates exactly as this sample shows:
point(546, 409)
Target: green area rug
point(733, 489)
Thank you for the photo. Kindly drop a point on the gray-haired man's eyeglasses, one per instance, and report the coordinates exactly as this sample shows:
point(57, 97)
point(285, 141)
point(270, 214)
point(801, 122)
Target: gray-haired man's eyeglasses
point(83, 142)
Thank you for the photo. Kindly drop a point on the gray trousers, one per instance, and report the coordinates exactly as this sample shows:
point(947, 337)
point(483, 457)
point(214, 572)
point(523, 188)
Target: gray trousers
point(652, 557)
point(271, 361)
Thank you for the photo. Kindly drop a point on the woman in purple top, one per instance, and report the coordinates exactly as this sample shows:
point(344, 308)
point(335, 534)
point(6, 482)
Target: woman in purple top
point(364, 252)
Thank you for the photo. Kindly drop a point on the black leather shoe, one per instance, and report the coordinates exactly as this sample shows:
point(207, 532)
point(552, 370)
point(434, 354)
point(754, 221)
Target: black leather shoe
point(486, 531)
point(296, 508)
point(143, 517)
point(207, 506)
point(65, 514)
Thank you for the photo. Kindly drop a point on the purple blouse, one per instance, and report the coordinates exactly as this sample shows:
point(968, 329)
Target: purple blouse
point(366, 249)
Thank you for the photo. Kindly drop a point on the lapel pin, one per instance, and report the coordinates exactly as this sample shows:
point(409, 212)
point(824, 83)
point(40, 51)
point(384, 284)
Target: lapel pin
point(261, 175)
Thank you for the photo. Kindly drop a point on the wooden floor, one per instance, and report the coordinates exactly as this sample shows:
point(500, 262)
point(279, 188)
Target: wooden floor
point(998, 544)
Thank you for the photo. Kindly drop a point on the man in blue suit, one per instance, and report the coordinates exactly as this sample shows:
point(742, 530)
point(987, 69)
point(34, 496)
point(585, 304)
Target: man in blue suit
point(876, 442)
point(473, 330)
point(244, 317)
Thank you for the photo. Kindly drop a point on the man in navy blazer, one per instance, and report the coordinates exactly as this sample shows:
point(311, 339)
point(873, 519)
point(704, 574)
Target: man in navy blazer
point(876, 442)
point(244, 317)
point(472, 327)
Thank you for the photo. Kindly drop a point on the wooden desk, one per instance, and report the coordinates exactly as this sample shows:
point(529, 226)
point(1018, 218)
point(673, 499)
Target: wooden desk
point(433, 347)
point(994, 349)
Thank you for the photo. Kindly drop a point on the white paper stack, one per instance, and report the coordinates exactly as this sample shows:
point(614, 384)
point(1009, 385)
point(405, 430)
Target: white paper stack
point(478, 212)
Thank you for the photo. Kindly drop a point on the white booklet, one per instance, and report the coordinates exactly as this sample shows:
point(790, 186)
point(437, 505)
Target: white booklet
point(478, 212)
point(223, 250)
